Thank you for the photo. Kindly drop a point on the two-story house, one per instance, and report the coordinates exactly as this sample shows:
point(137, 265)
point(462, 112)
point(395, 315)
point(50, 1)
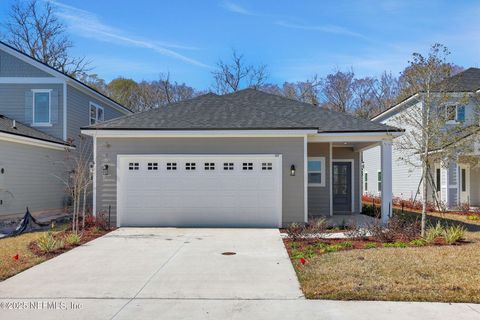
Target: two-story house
point(41, 111)
point(456, 181)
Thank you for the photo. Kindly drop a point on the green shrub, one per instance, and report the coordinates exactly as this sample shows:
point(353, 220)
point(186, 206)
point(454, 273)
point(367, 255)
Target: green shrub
point(47, 243)
point(308, 252)
point(396, 244)
point(332, 248)
point(418, 242)
point(454, 234)
point(433, 233)
point(370, 245)
point(346, 244)
point(73, 239)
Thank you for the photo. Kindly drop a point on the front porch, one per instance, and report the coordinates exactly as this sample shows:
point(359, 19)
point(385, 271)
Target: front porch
point(334, 176)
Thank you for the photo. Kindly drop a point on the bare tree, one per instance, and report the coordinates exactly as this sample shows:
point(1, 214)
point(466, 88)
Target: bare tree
point(33, 28)
point(430, 138)
point(337, 90)
point(236, 74)
point(364, 96)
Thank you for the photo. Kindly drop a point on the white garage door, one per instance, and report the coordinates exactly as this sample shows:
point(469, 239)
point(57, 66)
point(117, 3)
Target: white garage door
point(199, 190)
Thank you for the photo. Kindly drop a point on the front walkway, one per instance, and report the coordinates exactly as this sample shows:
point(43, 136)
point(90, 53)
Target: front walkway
point(182, 274)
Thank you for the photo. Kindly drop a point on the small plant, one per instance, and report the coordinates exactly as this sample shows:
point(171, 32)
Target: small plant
point(454, 234)
point(47, 243)
point(332, 248)
point(433, 233)
point(418, 242)
point(370, 245)
point(396, 244)
point(473, 217)
point(346, 244)
point(316, 226)
point(73, 239)
point(295, 231)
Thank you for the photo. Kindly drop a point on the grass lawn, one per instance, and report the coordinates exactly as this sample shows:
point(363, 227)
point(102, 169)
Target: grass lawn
point(9, 247)
point(430, 273)
point(23, 246)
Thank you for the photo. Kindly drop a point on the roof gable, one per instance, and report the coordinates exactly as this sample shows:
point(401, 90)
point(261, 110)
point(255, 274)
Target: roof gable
point(48, 70)
point(247, 109)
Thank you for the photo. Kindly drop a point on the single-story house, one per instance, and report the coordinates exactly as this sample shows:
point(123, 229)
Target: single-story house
point(246, 159)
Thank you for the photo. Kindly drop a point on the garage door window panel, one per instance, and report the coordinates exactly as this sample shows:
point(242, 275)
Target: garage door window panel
point(247, 166)
point(171, 166)
point(209, 166)
point(133, 166)
point(228, 166)
point(190, 166)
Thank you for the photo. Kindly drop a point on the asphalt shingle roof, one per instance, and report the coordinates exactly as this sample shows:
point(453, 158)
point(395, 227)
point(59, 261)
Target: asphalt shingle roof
point(247, 109)
point(6, 126)
point(465, 81)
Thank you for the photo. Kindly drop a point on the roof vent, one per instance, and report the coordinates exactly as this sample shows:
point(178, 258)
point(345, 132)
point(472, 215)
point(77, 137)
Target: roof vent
point(14, 124)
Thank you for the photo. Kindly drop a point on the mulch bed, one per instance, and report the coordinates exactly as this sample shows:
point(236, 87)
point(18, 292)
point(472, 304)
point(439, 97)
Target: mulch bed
point(87, 235)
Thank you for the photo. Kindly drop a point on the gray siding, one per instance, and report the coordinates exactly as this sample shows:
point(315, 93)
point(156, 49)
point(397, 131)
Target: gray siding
point(13, 104)
point(290, 148)
point(78, 104)
point(30, 178)
point(11, 66)
point(319, 197)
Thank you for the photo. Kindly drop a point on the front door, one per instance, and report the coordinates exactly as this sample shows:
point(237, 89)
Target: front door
point(342, 186)
point(464, 183)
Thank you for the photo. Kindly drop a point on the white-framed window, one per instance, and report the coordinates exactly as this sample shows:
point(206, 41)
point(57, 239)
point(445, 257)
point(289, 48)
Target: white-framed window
point(209, 166)
point(152, 166)
point(96, 113)
point(228, 166)
point(365, 181)
point(454, 113)
point(42, 107)
point(247, 166)
point(316, 171)
point(133, 166)
point(267, 166)
point(379, 181)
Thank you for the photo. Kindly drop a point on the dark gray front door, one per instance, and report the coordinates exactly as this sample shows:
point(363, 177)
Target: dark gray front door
point(342, 186)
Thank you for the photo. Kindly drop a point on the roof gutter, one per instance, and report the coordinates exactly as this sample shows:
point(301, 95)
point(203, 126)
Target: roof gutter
point(37, 142)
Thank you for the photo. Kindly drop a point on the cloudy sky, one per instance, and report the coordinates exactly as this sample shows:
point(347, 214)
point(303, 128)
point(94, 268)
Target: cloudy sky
point(140, 39)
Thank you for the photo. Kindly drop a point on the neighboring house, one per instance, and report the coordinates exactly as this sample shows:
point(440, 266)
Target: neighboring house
point(41, 109)
point(246, 159)
point(456, 182)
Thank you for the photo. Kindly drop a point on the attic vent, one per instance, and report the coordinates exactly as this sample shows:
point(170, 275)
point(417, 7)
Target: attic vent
point(14, 124)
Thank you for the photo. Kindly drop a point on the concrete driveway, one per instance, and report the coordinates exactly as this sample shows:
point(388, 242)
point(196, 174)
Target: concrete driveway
point(136, 273)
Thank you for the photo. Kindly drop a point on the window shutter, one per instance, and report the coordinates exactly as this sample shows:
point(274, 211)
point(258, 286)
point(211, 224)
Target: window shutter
point(54, 106)
point(28, 107)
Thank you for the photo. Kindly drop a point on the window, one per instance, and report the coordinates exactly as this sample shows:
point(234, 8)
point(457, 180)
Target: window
point(228, 166)
point(133, 166)
point(152, 166)
point(450, 113)
point(266, 166)
point(454, 113)
point(247, 166)
point(438, 178)
point(96, 113)
point(464, 180)
point(190, 166)
point(209, 166)
point(316, 172)
point(171, 166)
point(365, 181)
point(379, 181)
point(460, 113)
point(41, 107)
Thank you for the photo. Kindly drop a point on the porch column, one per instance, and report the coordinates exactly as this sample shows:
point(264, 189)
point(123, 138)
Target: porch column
point(386, 167)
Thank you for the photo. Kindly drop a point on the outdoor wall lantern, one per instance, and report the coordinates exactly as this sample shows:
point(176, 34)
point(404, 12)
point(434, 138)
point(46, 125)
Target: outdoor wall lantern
point(105, 169)
point(292, 170)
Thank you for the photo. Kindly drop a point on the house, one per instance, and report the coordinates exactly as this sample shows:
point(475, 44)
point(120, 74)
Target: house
point(41, 111)
point(456, 181)
point(246, 159)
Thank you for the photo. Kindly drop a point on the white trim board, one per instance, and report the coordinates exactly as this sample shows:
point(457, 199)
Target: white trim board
point(352, 161)
point(31, 80)
point(194, 133)
point(32, 141)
